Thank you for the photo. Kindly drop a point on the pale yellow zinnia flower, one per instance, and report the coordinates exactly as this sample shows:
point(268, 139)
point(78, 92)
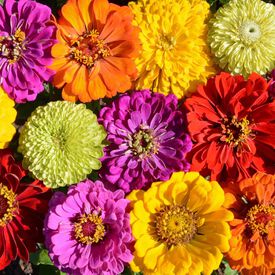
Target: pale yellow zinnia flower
point(180, 226)
point(174, 56)
point(7, 117)
point(242, 37)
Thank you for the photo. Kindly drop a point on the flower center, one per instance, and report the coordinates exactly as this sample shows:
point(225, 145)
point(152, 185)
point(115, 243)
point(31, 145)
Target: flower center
point(176, 225)
point(166, 42)
point(89, 229)
point(143, 143)
point(261, 218)
point(249, 32)
point(235, 131)
point(87, 49)
point(11, 46)
point(8, 205)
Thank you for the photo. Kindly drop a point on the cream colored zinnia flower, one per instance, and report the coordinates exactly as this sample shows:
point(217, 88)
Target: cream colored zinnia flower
point(242, 37)
point(174, 56)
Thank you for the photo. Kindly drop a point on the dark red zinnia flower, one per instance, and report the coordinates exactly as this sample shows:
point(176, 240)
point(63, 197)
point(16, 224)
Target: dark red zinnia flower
point(232, 124)
point(22, 209)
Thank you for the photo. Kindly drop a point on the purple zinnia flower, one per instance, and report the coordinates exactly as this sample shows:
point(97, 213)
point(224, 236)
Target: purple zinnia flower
point(26, 38)
point(88, 230)
point(147, 140)
point(271, 88)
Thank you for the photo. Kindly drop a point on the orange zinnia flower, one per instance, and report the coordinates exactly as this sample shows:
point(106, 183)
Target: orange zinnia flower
point(96, 48)
point(253, 229)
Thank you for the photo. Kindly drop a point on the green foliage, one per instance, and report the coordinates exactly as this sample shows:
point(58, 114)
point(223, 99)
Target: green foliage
point(44, 264)
point(216, 4)
point(40, 257)
point(49, 270)
point(225, 269)
point(127, 271)
point(228, 270)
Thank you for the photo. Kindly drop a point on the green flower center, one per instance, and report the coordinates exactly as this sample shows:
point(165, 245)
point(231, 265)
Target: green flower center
point(89, 229)
point(235, 131)
point(143, 143)
point(88, 48)
point(11, 46)
point(261, 218)
point(59, 141)
point(176, 225)
point(249, 32)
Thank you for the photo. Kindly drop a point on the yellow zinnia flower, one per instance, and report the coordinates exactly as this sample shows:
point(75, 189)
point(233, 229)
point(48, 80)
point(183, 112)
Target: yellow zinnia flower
point(179, 226)
point(174, 56)
point(7, 117)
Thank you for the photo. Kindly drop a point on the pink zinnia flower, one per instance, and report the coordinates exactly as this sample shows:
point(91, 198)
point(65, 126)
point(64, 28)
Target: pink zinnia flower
point(26, 38)
point(87, 231)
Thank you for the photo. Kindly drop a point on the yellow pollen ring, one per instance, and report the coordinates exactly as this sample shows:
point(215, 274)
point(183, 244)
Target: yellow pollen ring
point(261, 218)
point(8, 200)
point(19, 35)
point(11, 46)
point(93, 220)
point(236, 131)
point(176, 225)
point(87, 49)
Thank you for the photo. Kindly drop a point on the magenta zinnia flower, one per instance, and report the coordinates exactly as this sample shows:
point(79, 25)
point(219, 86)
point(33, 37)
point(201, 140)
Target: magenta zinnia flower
point(26, 38)
point(88, 230)
point(147, 137)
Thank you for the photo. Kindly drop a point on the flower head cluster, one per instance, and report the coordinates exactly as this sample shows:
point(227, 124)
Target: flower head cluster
point(7, 117)
point(95, 50)
point(88, 231)
point(253, 229)
point(147, 137)
point(23, 206)
point(179, 226)
point(242, 36)
point(26, 37)
point(174, 56)
point(232, 123)
point(61, 143)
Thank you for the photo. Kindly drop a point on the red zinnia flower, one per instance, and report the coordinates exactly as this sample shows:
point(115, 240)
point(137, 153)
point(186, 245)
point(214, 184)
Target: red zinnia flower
point(22, 209)
point(232, 124)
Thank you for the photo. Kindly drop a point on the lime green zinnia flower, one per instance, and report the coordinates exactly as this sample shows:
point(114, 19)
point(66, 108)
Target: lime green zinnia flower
point(242, 37)
point(61, 143)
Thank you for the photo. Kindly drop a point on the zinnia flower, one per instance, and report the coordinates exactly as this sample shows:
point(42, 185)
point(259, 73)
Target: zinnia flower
point(26, 37)
point(22, 210)
point(232, 123)
point(95, 50)
point(147, 140)
point(88, 231)
point(174, 56)
point(61, 143)
point(179, 226)
point(253, 229)
point(7, 115)
point(242, 36)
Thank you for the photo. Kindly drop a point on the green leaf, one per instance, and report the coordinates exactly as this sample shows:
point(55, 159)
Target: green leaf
point(40, 257)
point(127, 271)
point(49, 269)
point(228, 270)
